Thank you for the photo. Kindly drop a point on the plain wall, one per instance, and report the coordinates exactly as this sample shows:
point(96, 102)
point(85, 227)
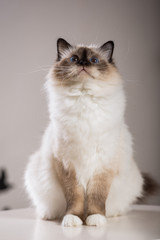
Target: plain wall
point(28, 33)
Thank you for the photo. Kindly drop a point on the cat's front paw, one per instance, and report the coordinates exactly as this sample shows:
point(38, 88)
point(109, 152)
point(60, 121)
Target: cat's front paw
point(96, 220)
point(71, 221)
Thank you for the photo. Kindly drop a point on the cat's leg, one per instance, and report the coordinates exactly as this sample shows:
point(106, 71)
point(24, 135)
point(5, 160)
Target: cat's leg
point(125, 189)
point(74, 194)
point(44, 188)
point(97, 192)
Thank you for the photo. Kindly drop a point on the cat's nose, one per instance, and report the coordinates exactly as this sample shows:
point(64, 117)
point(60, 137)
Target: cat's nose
point(83, 62)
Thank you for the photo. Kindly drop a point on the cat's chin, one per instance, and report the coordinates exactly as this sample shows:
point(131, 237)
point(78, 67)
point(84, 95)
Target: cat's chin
point(84, 75)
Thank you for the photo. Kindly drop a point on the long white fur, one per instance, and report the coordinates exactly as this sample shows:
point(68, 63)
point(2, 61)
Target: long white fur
point(87, 128)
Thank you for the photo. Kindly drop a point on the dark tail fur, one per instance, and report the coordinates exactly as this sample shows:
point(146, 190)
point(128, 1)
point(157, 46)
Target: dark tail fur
point(150, 187)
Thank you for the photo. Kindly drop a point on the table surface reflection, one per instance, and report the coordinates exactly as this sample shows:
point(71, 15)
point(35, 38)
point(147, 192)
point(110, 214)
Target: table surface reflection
point(141, 223)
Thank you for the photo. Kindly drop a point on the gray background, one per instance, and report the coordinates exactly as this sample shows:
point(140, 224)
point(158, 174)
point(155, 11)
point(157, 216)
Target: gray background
point(28, 33)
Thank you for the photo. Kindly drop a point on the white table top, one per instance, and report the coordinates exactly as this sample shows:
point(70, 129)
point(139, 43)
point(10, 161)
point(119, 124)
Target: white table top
point(141, 223)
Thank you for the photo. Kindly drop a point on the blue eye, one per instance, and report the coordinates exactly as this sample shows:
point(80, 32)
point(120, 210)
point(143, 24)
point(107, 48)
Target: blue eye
point(94, 60)
point(74, 59)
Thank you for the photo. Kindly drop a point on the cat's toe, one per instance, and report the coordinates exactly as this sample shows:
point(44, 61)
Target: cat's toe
point(71, 221)
point(96, 220)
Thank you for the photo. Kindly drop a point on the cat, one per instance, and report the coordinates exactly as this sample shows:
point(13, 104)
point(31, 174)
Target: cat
point(84, 170)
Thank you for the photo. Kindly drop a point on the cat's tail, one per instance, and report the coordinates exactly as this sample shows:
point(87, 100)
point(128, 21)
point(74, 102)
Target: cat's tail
point(150, 187)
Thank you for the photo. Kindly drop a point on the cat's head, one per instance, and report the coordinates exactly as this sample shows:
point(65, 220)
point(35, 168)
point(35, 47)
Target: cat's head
point(84, 64)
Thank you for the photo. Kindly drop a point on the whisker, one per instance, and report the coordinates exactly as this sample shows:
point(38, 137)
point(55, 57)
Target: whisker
point(35, 71)
point(44, 66)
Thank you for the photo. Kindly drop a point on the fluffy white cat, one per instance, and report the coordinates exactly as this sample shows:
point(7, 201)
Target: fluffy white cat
point(84, 170)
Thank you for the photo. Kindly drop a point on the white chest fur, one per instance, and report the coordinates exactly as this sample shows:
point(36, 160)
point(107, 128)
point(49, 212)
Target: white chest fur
point(87, 129)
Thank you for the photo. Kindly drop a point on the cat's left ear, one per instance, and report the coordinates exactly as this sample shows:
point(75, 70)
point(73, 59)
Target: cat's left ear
point(62, 45)
point(108, 48)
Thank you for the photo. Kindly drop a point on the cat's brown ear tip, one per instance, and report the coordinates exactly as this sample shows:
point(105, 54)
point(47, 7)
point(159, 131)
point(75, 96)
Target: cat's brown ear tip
point(111, 43)
point(60, 40)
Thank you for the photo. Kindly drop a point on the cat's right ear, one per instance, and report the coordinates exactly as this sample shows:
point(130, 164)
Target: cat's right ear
point(108, 48)
point(62, 46)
